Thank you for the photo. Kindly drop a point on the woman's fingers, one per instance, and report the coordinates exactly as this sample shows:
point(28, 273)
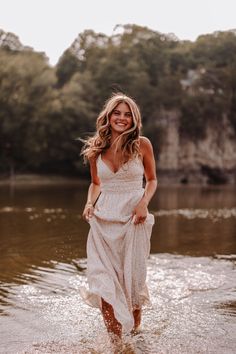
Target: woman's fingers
point(88, 213)
point(139, 219)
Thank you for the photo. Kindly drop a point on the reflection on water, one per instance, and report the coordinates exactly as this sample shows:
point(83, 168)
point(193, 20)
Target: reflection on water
point(213, 214)
point(191, 274)
point(187, 314)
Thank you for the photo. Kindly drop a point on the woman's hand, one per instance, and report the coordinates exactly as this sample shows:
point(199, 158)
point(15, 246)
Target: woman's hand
point(140, 212)
point(88, 211)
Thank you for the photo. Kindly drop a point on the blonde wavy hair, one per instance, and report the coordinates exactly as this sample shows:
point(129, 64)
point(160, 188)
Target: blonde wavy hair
point(127, 142)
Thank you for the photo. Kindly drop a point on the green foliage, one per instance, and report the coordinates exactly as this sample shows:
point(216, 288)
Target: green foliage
point(67, 66)
point(216, 49)
point(199, 111)
point(26, 89)
point(43, 110)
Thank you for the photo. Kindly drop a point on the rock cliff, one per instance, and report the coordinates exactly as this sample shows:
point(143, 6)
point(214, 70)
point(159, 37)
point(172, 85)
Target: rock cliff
point(209, 160)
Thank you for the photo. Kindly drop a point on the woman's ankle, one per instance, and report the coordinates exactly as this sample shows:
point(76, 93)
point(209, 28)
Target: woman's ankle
point(137, 318)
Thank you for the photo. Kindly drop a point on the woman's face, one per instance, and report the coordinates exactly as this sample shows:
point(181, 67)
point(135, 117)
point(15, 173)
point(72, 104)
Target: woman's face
point(121, 118)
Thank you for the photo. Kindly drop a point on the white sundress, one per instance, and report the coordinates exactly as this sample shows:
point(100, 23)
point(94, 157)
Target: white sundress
point(117, 249)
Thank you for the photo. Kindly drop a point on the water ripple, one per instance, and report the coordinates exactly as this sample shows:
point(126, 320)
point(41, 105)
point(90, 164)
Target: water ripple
point(54, 213)
point(213, 214)
point(192, 311)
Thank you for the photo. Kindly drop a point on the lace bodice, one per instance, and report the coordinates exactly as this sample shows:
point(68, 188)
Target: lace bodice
point(129, 176)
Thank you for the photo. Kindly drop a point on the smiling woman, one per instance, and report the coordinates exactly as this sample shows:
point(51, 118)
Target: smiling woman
point(120, 121)
point(117, 210)
point(121, 117)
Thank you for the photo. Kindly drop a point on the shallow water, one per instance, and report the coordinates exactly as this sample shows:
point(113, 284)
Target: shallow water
point(191, 274)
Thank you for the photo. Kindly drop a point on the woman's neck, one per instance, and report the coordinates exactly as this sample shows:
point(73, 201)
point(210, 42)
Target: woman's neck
point(113, 142)
point(114, 137)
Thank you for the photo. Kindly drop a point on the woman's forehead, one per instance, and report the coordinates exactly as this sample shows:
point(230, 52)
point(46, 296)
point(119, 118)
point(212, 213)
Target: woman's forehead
point(123, 106)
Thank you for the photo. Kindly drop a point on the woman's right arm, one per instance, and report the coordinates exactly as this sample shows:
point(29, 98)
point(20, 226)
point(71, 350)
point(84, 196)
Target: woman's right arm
point(93, 191)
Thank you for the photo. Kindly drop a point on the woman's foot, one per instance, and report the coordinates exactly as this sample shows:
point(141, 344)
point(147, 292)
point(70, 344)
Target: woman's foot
point(135, 331)
point(117, 343)
point(114, 328)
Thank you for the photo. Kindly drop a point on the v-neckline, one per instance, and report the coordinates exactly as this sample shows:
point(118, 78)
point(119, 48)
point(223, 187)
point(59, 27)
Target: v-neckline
point(114, 173)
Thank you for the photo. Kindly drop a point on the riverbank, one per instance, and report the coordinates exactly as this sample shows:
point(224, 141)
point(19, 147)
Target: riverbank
point(35, 179)
point(165, 178)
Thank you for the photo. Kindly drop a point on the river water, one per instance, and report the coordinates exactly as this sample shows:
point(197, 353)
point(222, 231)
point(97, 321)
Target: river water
point(191, 273)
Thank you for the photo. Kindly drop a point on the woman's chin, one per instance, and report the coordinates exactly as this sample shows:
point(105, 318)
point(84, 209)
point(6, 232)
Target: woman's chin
point(119, 130)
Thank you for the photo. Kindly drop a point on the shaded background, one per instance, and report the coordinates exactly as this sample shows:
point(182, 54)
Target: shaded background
point(186, 91)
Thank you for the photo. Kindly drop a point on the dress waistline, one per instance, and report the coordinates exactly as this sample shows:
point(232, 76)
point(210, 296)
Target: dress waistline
point(122, 187)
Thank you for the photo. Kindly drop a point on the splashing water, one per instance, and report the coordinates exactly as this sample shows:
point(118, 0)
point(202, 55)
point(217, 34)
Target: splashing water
point(43, 266)
point(193, 310)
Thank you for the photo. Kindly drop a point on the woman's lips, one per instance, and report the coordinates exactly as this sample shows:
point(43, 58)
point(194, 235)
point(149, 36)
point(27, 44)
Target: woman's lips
point(121, 124)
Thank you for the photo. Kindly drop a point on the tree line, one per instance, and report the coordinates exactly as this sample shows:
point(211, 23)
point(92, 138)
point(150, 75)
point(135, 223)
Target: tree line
point(44, 109)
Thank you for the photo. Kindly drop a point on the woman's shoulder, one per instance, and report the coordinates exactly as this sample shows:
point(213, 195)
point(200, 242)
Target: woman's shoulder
point(93, 160)
point(145, 144)
point(145, 147)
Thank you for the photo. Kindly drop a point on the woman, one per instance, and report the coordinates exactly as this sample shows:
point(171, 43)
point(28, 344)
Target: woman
point(117, 211)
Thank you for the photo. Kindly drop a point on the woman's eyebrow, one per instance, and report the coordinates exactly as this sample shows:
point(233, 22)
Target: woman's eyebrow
point(117, 110)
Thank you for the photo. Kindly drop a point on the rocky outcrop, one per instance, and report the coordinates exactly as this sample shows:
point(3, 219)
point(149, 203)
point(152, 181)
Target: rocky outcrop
point(209, 160)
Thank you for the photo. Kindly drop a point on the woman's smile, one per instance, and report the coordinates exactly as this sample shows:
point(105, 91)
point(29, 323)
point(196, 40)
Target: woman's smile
point(121, 117)
point(120, 124)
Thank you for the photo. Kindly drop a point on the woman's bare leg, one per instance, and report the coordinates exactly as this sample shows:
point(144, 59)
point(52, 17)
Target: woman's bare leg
point(113, 326)
point(137, 318)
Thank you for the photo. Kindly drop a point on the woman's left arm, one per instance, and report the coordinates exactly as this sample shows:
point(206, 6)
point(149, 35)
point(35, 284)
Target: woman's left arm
point(140, 212)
